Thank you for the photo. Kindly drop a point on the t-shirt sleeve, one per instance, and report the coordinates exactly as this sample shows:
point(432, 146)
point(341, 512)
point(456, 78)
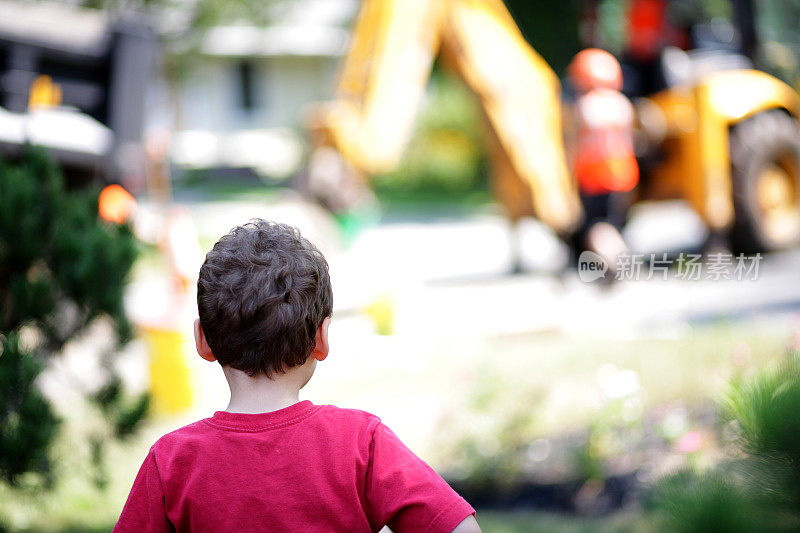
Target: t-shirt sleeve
point(403, 492)
point(145, 509)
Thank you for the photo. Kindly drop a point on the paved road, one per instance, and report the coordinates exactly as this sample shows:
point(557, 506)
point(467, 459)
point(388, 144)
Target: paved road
point(454, 272)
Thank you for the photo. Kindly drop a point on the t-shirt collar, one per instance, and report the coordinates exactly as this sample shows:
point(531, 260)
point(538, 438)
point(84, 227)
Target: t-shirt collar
point(263, 421)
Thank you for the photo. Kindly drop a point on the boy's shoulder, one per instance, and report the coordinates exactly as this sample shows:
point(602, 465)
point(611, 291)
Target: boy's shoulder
point(344, 422)
point(194, 431)
point(356, 416)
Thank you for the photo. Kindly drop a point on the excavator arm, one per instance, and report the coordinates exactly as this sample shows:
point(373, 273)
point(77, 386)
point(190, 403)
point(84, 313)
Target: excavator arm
point(384, 77)
point(383, 81)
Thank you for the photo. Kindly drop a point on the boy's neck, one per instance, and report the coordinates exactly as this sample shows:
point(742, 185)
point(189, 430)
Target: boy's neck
point(260, 394)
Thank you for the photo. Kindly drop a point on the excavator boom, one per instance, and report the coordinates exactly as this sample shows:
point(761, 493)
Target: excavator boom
point(385, 74)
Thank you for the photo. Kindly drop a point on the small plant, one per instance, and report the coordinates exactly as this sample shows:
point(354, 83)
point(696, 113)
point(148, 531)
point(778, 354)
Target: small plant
point(488, 440)
point(618, 418)
point(759, 487)
point(716, 500)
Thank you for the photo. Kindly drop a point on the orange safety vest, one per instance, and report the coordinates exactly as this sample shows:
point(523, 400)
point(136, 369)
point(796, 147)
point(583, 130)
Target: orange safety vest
point(605, 160)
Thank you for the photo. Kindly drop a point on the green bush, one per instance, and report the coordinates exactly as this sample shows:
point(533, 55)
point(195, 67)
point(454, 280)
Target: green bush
point(61, 268)
point(27, 422)
point(759, 486)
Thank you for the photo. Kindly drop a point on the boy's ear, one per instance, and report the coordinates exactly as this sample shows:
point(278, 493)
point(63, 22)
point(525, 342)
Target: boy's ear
point(321, 348)
point(200, 342)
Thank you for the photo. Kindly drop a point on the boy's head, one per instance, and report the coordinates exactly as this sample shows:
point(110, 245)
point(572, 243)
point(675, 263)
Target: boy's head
point(262, 294)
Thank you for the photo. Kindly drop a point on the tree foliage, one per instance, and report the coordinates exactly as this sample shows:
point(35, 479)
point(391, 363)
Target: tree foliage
point(551, 28)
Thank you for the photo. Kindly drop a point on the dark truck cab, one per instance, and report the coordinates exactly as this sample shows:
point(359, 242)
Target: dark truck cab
point(102, 66)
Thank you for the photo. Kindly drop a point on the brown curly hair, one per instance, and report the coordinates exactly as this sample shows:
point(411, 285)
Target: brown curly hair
point(262, 293)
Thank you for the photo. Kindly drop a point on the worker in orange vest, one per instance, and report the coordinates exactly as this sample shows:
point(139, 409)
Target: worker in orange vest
point(603, 157)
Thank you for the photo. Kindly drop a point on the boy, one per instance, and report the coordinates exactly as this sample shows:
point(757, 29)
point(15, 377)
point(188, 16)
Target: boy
point(270, 462)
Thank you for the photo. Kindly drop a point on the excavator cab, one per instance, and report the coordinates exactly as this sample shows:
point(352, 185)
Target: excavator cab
point(718, 113)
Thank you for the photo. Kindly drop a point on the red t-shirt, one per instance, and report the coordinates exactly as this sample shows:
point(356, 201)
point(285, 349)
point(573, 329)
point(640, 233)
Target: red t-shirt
point(304, 468)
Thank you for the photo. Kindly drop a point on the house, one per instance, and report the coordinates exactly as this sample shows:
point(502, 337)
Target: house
point(242, 104)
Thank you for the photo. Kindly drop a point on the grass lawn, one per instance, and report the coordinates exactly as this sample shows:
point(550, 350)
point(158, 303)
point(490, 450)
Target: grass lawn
point(490, 522)
point(527, 521)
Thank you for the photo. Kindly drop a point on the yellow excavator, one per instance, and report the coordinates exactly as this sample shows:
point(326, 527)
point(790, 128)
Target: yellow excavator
point(726, 140)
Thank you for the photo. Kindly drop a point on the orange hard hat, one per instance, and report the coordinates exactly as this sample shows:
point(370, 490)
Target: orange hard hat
point(115, 204)
point(595, 69)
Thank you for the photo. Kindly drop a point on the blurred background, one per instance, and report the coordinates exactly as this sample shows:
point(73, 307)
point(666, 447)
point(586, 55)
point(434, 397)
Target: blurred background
point(454, 160)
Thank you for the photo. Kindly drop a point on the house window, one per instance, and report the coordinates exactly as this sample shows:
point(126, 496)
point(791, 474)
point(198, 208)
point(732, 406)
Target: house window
point(247, 86)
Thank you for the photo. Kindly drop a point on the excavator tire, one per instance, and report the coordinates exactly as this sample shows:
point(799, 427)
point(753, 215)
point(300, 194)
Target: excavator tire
point(765, 160)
